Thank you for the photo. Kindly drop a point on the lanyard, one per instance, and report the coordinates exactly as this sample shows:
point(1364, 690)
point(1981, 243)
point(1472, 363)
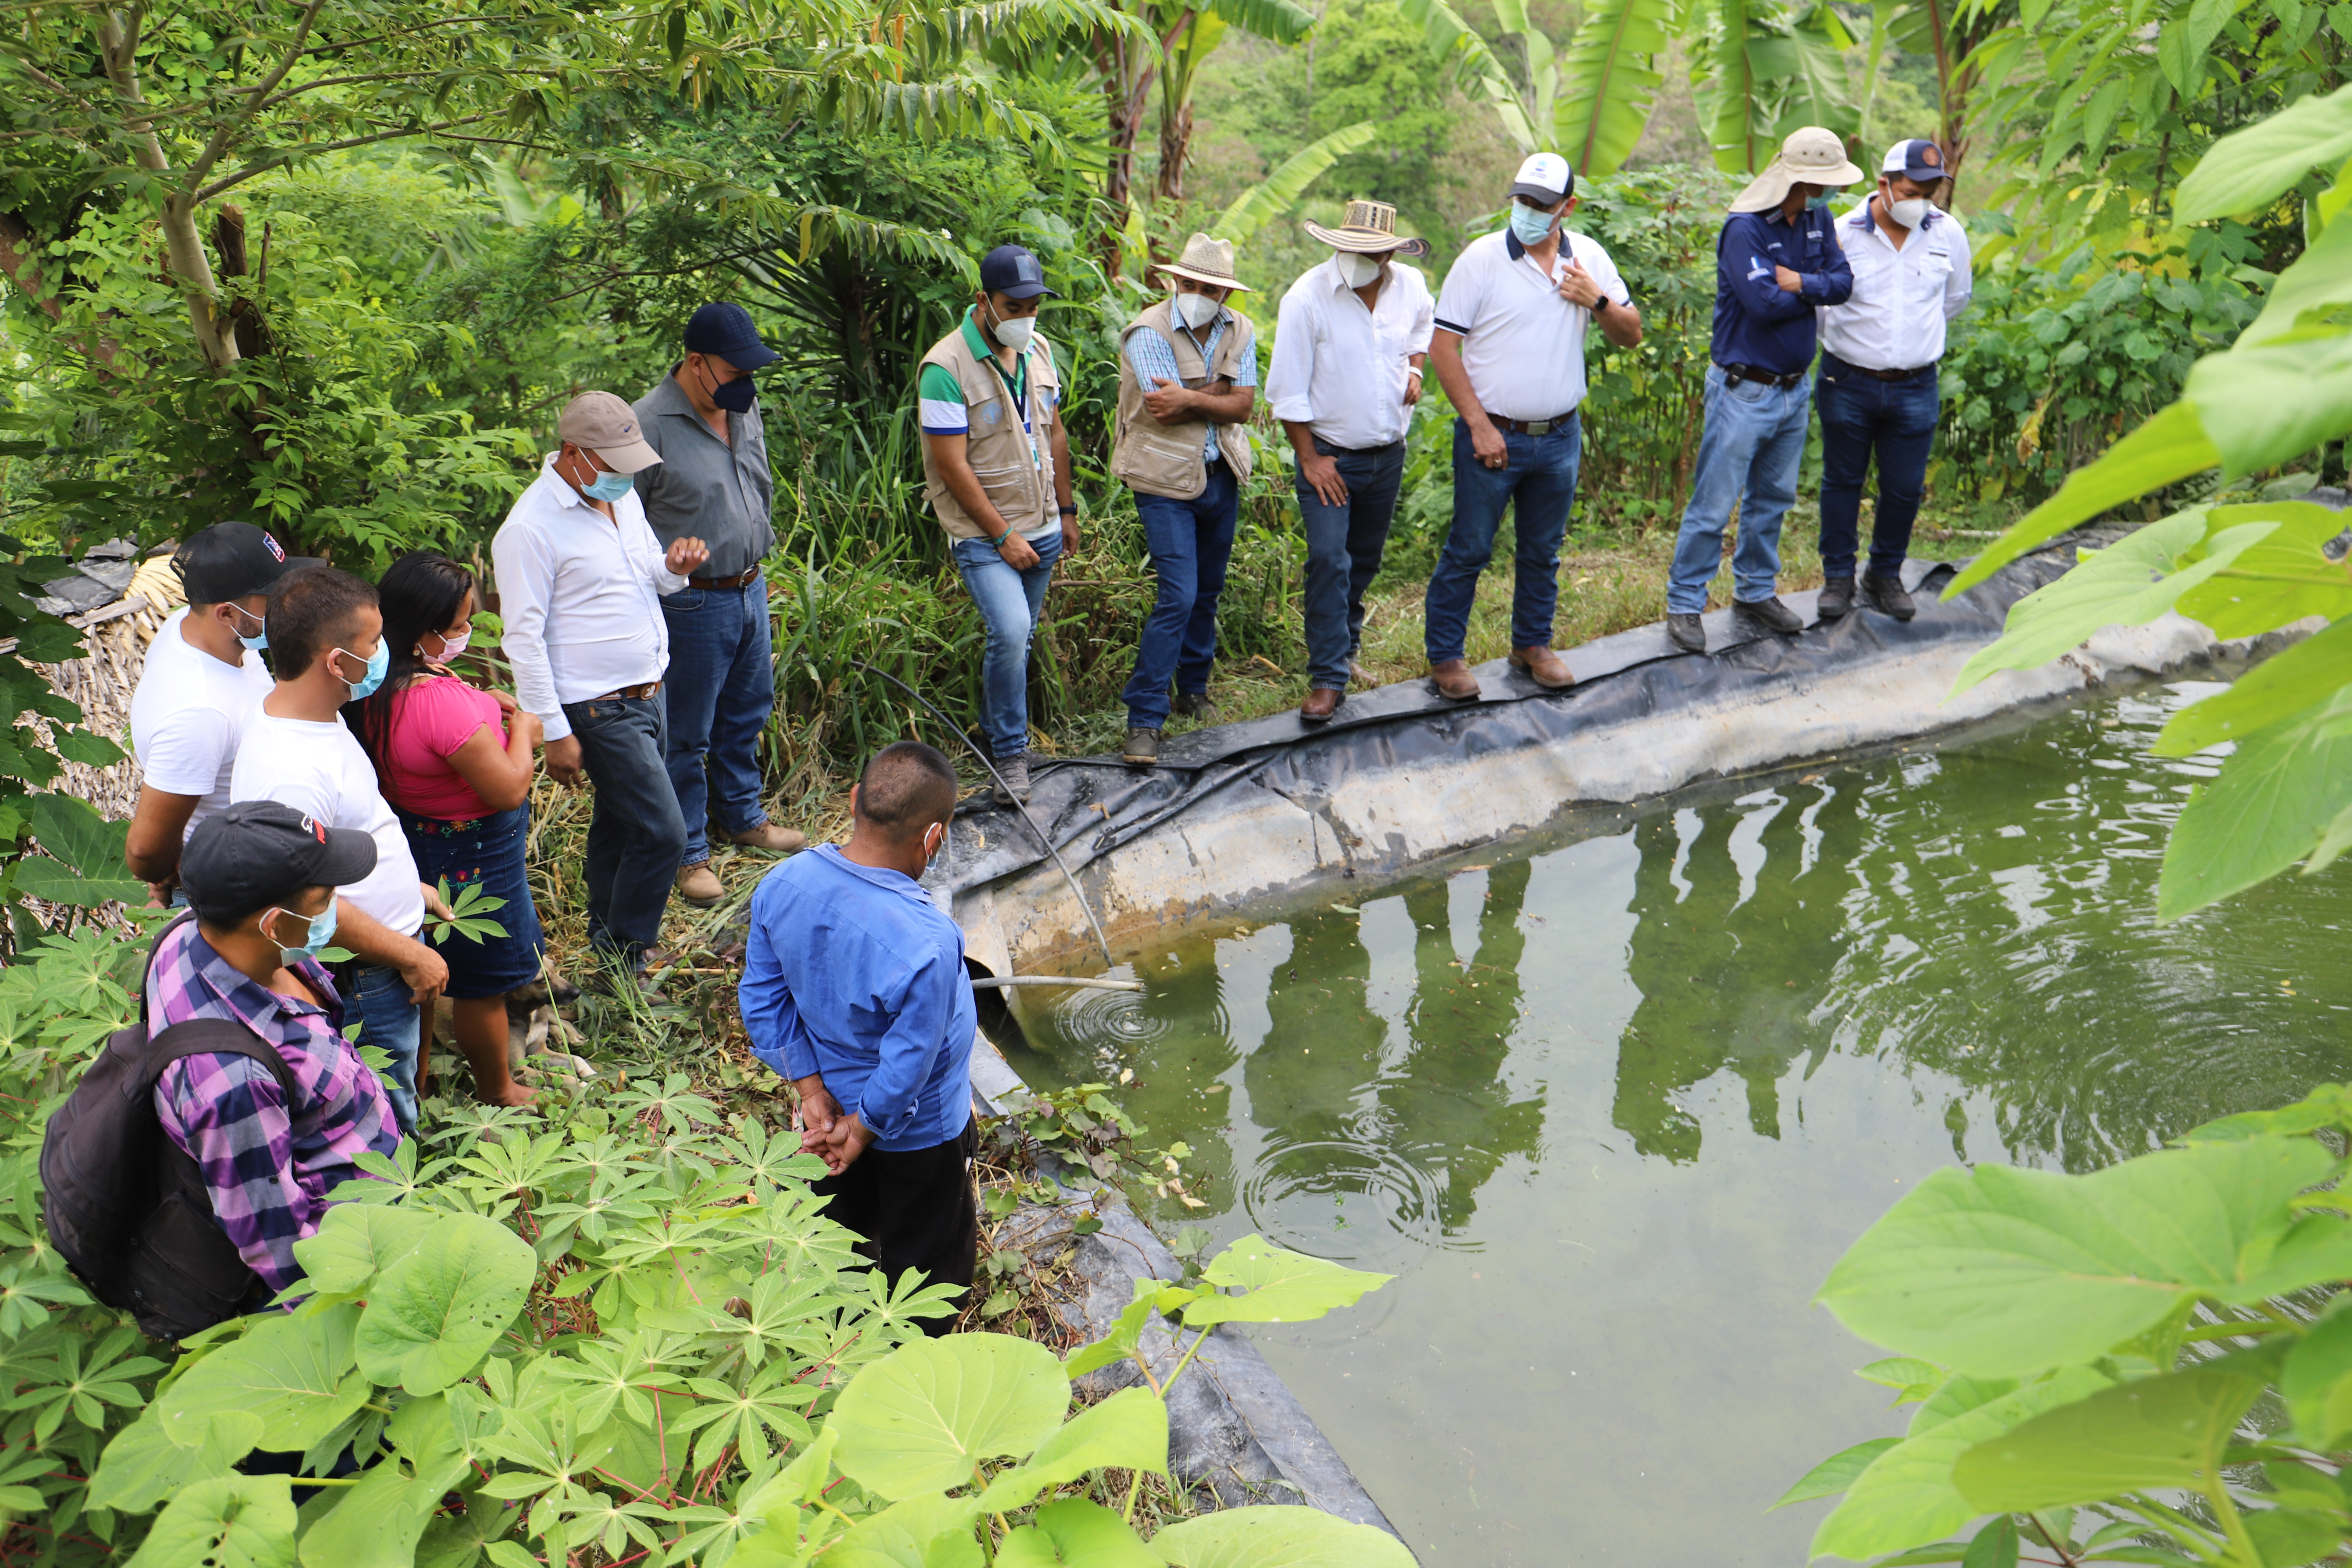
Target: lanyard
point(1018, 392)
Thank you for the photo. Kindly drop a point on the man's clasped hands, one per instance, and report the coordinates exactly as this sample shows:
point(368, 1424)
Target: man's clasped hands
point(833, 1135)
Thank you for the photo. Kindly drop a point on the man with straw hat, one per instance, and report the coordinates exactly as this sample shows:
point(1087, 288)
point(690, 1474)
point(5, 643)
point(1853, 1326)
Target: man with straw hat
point(1776, 260)
point(1187, 380)
point(1347, 351)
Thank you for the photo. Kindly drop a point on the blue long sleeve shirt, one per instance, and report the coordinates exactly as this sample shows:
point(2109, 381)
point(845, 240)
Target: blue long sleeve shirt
point(1757, 322)
point(853, 973)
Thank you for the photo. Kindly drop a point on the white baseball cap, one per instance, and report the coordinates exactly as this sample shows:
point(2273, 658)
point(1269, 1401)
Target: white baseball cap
point(1544, 177)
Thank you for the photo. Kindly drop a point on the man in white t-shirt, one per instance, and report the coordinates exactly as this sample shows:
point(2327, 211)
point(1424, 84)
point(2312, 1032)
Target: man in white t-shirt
point(204, 677)
point(327, 647)
point(1510, 351)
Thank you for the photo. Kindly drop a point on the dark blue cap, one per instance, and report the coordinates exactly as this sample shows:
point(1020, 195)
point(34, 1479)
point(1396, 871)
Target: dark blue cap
point(1011, 270)
point(724, 328)
point(1918, 160)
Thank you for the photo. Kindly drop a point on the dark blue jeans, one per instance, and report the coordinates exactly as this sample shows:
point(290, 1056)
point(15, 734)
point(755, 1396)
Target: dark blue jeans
point(1192, 543)
point(1343, 553)
point(1862, 416)
point(1009, 600)
point(1540, 477)
point(722, 687)
point(636, 833)
point(391, 1022)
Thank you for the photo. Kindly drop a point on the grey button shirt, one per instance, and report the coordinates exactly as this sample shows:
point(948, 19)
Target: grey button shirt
point(718, 490)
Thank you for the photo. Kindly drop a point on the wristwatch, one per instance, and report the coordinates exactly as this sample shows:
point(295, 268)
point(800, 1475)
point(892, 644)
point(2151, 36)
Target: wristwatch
point(1601, 304)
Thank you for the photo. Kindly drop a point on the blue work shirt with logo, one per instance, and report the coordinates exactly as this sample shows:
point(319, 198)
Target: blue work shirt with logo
point(1757, 322)
point(853, 973)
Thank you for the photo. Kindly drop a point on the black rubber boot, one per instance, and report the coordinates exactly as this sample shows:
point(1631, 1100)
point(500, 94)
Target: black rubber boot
point(1836, 599)
point(1887, 595)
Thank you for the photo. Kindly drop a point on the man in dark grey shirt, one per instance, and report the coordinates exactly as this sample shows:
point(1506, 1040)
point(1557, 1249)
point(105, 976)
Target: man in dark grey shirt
point(713, 484)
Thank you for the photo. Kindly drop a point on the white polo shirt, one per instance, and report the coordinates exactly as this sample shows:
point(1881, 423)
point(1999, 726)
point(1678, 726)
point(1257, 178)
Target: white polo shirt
point(1522, 344)
point(1341, 369)
point(1895, 318)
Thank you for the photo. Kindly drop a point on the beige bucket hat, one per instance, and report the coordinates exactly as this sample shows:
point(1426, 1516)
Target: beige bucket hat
point(1812, 156)
point(1367, 229)
point(1206, 261)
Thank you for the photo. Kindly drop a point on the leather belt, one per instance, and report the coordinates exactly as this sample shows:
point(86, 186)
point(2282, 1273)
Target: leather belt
point(1733, 375)
point(630, 693)
point(741, 579)
point(1888, 374)
point(1535, 427)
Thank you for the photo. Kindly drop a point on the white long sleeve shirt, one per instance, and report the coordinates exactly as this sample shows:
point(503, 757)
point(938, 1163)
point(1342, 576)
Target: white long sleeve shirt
point(581, 597)
point(1896, 317)
point(1340, 369)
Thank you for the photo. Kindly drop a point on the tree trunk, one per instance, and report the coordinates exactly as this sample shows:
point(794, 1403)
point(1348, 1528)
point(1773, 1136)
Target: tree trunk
point(1123, 94)
point(1175, 150)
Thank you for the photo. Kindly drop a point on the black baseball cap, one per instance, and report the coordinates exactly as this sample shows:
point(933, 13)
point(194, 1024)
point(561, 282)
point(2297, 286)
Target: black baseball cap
point(232, 560)
point(723, 329)
point(1012, 271)
point(259, 852)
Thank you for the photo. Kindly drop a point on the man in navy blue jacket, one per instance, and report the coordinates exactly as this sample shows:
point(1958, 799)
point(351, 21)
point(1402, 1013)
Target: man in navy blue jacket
point(1776, 260)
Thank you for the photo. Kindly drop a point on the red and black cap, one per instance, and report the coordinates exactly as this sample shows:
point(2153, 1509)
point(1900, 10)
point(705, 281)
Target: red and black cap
point(259, 852)
point(232, 560)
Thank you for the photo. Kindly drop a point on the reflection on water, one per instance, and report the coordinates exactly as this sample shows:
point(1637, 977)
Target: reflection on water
point(1611, 1111)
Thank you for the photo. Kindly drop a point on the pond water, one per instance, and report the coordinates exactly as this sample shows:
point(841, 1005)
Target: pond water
point(1611, 1109)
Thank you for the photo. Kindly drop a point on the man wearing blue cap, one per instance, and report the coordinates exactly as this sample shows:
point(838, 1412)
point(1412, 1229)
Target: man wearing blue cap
point(712, 484)
point(1878, 391)
point(996, 469)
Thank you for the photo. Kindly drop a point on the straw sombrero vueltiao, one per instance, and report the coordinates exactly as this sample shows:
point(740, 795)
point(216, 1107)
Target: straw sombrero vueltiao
point(1812, 156)
point(1369, 229)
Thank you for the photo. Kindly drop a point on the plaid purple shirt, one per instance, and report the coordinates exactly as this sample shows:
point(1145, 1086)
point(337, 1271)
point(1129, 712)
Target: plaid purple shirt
point(268, 1166)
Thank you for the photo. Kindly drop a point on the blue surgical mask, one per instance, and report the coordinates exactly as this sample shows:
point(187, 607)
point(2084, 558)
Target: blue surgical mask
point(321, 932)
point(611, 486)
point(1529, 226)
point(258, 641)
point(379, 664)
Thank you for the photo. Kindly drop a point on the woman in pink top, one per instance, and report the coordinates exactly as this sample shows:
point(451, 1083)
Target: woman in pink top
point(456, 762)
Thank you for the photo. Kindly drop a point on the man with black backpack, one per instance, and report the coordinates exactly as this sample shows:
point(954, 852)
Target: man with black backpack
point(184, 1203)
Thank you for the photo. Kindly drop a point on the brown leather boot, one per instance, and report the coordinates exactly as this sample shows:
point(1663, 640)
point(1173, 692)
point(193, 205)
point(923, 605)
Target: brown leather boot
point(771, 835)
point(1452, 679)
point(1543, 666)
point(698, 885)
point(1321, 704)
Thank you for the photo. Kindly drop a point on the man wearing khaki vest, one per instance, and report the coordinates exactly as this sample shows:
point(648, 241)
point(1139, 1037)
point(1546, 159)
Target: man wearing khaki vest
point(996, 469)
point(1187, 379)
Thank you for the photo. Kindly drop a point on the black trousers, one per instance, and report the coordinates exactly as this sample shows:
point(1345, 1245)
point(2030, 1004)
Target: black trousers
point(913, 1208)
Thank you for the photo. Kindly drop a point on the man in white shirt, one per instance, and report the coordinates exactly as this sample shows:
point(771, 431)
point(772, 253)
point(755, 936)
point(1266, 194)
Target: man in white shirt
point(327, 648)
point(1878, 391)
point(1347, 351)
point(204, 677)
point(1510, 351)
point(581, 577)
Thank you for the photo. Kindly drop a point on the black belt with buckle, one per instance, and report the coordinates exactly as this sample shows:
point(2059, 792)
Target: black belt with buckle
point(1733, 375)
point(740, 579)
point(1916, 370)
point(1537, 427)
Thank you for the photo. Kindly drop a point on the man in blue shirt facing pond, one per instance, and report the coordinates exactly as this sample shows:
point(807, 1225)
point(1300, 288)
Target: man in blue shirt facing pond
point(1777, 258)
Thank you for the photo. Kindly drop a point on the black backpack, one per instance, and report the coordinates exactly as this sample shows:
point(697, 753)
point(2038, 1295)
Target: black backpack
point(129, 1210)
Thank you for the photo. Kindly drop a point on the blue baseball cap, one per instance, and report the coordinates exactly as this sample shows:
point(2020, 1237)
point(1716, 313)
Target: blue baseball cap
point(1917, 160)
point(1012, 271)
point(723, 329)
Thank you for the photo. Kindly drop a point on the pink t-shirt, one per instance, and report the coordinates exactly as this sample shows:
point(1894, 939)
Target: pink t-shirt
point(431, 718)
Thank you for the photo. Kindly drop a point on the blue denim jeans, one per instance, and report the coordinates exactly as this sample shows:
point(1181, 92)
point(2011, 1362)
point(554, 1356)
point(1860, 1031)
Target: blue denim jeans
point(1192, 543)
point(1343, 553)
point(1538, 480)
point(393, 1024)
point(722, 687)
point(636, 833)
point(486, 852)
point(1862, 416)
point(1009, 602)
point(1747, 457)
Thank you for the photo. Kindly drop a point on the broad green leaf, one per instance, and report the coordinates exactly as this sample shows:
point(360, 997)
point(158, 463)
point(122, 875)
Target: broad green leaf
point(2320, 279)
point(1906, 1497)
point(2291, 1537)
point(1279, 191)
point(2263, 812)
point(1283, 21)
point(2003, 1271)
point(1283, 1287)
point(1126, 1334)
point(1957, 1396)
point(232, 1522)
point(2276, 580)
point(1994, 1545)
point(378, 1523)
point(145, 1464)
point(1901, 1371)
point(923, 1417)
point(926, 1532)
point(2279, 688)
point(2251, 168)
point(357, 1241)
point(88, 869)
point(1129, 1431)
point(1277, 1537)
point(295, 1373)
point(433, 1315)
point(2168, 447)
point(2157, 1432)
point(2330, 1105)
point(2317, 1382)
point(2297, 1485)
point(1075, 1533)
point(2262, 405)
point(1608, 78)
point(1836, 1473)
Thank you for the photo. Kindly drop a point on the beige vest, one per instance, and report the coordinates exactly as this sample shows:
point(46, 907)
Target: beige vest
point(1162, 457)
point(1015, 474)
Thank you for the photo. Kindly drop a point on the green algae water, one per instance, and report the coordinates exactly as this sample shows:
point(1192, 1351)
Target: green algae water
point(1611, 1109)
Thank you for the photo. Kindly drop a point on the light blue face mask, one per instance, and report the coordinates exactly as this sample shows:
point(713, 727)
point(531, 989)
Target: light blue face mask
point(379, 664)
point(613, 487)
point(257, 643)
point(1529, 226)
point(321, 932)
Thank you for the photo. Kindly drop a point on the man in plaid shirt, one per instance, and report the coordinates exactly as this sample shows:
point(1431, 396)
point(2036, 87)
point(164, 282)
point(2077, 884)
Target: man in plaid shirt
point(261, 878)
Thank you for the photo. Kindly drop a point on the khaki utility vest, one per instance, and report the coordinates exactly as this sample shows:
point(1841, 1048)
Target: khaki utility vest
point(1162, 457)
point(1015, 474)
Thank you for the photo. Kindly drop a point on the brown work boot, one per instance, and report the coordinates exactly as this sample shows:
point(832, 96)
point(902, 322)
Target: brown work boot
point(1141, 749)
point(1452, 679)
point(770, 836)
point(1321, 704)
point(698, 885)
point(1543, 666)
point(1360, 676)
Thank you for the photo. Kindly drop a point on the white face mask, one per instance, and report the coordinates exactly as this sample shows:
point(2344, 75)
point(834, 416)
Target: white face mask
point(1013, 332)
point(1358, 271)
point(1197, 310)
point(1911, 212)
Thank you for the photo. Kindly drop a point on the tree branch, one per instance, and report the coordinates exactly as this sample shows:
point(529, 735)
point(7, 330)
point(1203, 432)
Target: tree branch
point(255, 171)
point(255, 97)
